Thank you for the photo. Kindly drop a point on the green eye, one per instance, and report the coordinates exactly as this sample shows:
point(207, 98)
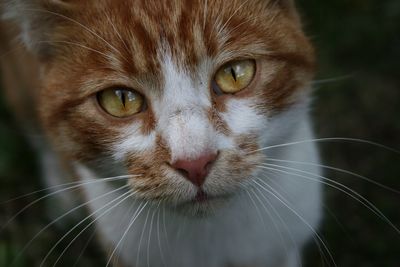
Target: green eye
point(235, 75)
point(121, 103)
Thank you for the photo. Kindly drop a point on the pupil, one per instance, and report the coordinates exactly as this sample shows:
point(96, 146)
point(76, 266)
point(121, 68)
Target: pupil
point(123, 99)
point(121, 94)
point(233, 74)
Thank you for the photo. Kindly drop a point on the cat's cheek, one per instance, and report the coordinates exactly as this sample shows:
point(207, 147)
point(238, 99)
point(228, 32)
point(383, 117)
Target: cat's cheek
point(232, 171)
point(81, 140)
point(242, 117)
point(133, 140)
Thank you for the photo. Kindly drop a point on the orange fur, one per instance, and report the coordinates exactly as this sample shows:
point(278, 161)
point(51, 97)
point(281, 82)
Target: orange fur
point(82, 47)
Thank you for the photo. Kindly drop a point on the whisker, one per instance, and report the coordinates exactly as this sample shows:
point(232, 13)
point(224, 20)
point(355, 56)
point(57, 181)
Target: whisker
point(257, 208)
point(260, 215)
point(324, 258)
point(67, 184)
point(135, 216)
point(339, 170)
point(332, 80)
point(281, 199)
point(329, 139)
point(232, 15)
point(124, 197)
point(121, 224)
point(79, 24)
point(281, 189)
point(158, 236)
point(272, 219)
point(337, 221)
point(268, 213)
point(332, 183)
point(149, 239)
point(247, 20)
point(84, 248)
point(77, 44)
point(182, 225)
point(166, 232)
point(141, 237)
point(217, 21)
point(276, 226)
point(62, 216)
point(57, 192)
point(116, 31)
point(321, 251)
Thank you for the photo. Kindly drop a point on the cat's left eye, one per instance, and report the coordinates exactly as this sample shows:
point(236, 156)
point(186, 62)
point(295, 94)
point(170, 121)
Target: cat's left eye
point(120, 102)
point(234, 76)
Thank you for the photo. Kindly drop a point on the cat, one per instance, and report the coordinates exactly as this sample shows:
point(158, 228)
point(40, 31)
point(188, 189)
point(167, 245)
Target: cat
point(169, 109)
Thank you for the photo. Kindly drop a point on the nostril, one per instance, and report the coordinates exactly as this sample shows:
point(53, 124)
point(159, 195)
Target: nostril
point(183, 172)
point(209, 165)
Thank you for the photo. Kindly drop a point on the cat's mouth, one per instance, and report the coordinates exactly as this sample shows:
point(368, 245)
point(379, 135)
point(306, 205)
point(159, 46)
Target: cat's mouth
point(204, 198)
point(202, 204)
point(201, 196)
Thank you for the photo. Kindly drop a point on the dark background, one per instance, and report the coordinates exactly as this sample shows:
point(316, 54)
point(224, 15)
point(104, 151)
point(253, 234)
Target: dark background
point(357, 95)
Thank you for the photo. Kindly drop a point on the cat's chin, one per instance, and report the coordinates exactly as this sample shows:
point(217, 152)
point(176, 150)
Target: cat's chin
point(203, 206)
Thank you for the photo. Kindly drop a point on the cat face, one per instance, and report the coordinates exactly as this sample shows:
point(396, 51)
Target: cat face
point(178, 93)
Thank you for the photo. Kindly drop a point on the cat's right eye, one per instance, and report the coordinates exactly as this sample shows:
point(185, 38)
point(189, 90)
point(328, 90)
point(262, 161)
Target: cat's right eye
point(235, 76)
point(120, 102)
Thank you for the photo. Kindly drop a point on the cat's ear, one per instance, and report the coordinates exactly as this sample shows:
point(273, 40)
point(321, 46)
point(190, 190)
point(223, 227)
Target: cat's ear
point(37, 20)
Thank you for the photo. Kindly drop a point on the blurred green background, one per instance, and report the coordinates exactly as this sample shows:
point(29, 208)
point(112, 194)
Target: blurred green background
point(357, 94)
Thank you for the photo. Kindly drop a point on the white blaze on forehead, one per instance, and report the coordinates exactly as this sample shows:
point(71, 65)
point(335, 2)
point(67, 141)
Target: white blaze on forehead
point(242, 117)
point(181, 112)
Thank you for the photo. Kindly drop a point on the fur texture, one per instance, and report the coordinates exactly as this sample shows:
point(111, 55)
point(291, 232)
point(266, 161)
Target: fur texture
point(169, 51)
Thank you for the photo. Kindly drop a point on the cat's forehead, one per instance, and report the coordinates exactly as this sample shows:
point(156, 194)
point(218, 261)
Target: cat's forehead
point(136, 35)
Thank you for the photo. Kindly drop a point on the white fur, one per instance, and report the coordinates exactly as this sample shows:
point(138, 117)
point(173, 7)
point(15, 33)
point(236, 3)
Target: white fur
point(241, 233)
point(245, 231)
point(235, 235)
point(242, 118)
point(132, 140)
point(182, 120)
point(182, 114)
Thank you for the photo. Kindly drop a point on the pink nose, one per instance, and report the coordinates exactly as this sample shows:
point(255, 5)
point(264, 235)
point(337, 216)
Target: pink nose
point(195, 170)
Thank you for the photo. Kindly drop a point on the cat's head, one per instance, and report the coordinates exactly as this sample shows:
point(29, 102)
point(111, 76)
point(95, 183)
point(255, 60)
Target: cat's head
point(178, 93)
